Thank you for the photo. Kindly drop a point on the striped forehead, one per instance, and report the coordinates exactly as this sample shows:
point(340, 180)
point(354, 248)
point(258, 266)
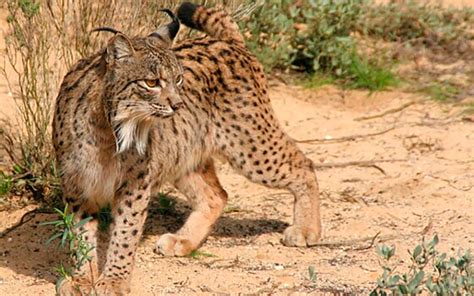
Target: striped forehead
point(160, 61)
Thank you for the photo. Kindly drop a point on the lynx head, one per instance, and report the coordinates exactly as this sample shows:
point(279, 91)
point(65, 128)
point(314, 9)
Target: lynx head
point(142, 81)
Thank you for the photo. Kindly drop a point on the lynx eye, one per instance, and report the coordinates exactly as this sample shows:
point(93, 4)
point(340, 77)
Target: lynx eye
point(152, 83)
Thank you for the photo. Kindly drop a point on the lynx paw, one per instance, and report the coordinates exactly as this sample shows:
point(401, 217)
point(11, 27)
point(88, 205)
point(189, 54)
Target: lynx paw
point(300, 236)
point(173, 245)
point(111, 287)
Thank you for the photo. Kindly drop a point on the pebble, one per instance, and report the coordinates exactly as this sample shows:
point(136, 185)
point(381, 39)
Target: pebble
point(278, 267)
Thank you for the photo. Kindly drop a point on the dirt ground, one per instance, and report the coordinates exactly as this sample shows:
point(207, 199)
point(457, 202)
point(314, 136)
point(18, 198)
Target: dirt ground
point(423, 185)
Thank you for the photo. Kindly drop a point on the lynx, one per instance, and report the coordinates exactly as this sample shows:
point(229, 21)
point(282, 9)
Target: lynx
point(143, 112)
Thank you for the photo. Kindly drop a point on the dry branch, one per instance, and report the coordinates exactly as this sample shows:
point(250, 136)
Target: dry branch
point(352, 242)
point(390, 111)
point(27, 217)
point(362, 163)
point(450, 183)
point(377, 237)
point(346, 138)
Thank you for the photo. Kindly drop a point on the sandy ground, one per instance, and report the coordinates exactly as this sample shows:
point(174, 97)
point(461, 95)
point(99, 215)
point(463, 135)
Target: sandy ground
point(429, 190)
point(425, 187)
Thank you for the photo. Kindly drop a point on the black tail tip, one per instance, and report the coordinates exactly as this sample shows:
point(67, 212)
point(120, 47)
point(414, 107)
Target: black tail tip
point(186, 12)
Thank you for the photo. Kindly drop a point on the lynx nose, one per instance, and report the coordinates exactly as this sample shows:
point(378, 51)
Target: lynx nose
point(177, 105)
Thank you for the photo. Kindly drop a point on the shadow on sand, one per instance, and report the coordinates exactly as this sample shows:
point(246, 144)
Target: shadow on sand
point(23, 248)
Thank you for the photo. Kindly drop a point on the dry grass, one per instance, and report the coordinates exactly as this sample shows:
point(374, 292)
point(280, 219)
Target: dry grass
point(46, 38)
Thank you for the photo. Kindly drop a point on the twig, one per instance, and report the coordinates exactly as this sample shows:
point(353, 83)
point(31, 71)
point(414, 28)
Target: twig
point(362, 163)
point(24, 220)
point(372, 239)
point(371, 243)
point(450, 183)
point(346, 138)
point(351, 242)
point(390, 111)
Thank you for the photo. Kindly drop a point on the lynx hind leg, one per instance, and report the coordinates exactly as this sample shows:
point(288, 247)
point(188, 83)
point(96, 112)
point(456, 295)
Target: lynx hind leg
point(266, 155)
point(208, 199)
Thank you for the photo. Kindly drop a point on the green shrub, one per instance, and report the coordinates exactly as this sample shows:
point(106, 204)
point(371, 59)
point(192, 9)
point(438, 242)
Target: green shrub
point(308, 35)
point(429, 271)
point(325, 42)
point(365, 74)
point(268, 33)
point(441, 92)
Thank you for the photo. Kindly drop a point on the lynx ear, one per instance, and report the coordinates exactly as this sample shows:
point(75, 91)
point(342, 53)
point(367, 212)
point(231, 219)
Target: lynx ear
point(119, 47)
point(167, 33)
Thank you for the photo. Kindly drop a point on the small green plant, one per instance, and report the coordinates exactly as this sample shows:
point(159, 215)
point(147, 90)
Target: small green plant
point(365, 74)
point(441, 92)
point(71, 238)
point(312, 275)
point(316, 80)
point(165, 204)
point(196, 254)
point(469, 108)
point(6, 183)
point(429, 271)
point(29, 8)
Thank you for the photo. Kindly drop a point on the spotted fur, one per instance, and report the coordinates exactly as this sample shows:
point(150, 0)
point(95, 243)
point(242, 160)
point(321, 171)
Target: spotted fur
point(227, 113)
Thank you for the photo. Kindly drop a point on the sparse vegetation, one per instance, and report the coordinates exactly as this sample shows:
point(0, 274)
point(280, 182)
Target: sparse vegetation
point(365, 74)
point(6, 184)
point(320, 37)
point(312, 275)
point(317, 80)
point(197, 254)
point(70, 236)
point(429, 271)
point(441, 92)
point(417, 23)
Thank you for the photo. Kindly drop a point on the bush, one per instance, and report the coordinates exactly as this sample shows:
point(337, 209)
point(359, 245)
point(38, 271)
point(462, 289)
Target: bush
point(429, 271)
point(304, 35)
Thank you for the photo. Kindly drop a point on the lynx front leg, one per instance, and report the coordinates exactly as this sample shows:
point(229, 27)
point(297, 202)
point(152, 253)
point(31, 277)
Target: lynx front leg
point(208, 198)
point(129, 213)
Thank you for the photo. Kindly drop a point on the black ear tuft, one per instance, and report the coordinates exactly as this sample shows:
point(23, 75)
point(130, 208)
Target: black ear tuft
point(167, 33)
point(173, 27)
point(186, 13)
